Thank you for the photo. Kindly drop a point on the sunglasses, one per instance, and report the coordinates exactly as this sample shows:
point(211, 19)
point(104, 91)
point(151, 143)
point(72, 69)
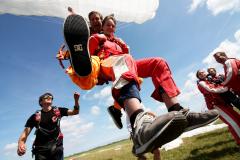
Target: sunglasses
point(47, 97)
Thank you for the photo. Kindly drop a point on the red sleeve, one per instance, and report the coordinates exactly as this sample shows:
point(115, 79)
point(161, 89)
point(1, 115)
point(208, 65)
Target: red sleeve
point(95, 42)
point(213, 88)
point(93, 45)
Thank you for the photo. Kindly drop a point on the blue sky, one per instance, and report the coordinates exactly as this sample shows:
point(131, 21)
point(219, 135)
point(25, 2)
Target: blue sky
point(185, 33)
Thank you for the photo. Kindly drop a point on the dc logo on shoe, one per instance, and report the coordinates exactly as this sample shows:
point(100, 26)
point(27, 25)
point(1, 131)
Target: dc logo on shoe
point(78, 47)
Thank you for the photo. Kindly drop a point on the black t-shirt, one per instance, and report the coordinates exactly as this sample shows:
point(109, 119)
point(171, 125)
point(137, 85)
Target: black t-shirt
point(47, 123)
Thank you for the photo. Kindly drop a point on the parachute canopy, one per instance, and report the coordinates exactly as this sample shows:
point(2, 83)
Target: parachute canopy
point(137, 11)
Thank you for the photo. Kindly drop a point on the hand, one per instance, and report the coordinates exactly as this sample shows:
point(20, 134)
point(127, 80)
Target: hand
point(70, 10)
point(100, 37)
point(62, 54)
point(76, 96)
point(21, 149)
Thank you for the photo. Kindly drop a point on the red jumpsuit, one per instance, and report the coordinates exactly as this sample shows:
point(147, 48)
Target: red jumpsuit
point(227, 114)
point(116, 64)
point(232, 77)
point(158, 70)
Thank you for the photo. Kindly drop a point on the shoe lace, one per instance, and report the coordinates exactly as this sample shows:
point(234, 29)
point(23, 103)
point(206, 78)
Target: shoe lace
point(142, 118)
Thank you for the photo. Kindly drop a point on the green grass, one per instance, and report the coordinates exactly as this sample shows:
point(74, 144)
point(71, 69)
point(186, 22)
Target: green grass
point(215, 145)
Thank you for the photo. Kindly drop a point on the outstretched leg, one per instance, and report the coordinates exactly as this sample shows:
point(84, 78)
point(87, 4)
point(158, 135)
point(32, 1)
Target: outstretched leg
point(166, 91)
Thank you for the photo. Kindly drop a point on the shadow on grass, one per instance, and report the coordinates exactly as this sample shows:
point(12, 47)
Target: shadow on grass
point(212, 134)
point(195, 151)
point(197, 154)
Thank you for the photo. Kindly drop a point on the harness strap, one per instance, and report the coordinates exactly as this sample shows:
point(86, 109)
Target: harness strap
point(56, 118)
point(61, 63)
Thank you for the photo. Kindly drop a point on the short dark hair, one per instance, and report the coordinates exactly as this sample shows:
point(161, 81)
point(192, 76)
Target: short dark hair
point(42, 96)
point(221, 53)
point(197, 73)
point(211, 68)
point(95, 12)
point(111, 16)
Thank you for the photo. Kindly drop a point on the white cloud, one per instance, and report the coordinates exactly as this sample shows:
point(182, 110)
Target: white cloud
point(95, 110)
point(191, 78)
point(137, 11)
point(216, 6)
point(109, 101)
point(10, 149)
point(105, 92)
point(190, 90)
point(86, 95)
point(75, 126)
point(195, 4)
point(102, 94)
point(75, 130)
point(231, 48)
point(237, 36)
point(10, 146)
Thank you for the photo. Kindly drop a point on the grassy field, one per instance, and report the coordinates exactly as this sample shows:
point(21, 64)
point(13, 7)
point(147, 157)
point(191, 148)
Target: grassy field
point(215, 145)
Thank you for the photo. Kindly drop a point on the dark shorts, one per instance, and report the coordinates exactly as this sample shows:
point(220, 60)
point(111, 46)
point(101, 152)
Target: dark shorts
point(52, 151)
point(129, 91)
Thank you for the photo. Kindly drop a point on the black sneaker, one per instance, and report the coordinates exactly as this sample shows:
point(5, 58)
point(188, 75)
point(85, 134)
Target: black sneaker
point(150, 132)
point(76, 34)
point(116, 115)
point(196, 120)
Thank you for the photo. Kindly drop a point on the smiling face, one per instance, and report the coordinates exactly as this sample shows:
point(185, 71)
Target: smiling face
point(201, 74)
point(95, 22)
point(109, 26)
point(45, 100)
point(220, 57)
point(212, 72)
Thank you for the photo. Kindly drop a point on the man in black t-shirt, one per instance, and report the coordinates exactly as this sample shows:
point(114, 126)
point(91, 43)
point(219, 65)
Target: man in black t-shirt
point(48, 144)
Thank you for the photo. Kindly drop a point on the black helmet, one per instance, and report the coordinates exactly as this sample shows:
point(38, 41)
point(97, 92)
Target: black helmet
point(43, 96)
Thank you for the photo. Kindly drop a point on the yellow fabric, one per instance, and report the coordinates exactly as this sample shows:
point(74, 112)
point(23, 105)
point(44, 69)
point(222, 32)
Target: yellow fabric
point(88, 82)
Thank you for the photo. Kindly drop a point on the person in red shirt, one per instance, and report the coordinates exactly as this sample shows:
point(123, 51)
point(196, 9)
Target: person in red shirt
point(213, 100)
point(231, 69)
point(229, 97)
